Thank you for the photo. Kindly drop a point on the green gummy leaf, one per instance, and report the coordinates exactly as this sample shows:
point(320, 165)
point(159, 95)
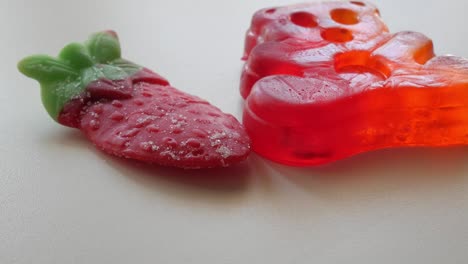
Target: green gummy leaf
point(45, 68)
point(67, 76)
point(76, 55)
point(104, 46)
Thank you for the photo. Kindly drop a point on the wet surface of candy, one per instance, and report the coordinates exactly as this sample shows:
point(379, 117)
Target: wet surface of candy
point(324, 81)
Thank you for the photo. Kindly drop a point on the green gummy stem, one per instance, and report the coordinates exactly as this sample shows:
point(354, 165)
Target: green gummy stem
point(67, 76)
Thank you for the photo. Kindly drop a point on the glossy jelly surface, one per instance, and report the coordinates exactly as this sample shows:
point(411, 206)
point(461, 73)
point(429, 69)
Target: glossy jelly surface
point(325, 81)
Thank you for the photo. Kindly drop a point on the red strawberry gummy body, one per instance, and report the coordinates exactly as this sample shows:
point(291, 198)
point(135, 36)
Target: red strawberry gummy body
point(132, 112)
point(324, 81)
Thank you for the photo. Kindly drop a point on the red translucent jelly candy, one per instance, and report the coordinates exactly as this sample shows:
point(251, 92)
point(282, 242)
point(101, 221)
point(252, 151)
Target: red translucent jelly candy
point(325, 81)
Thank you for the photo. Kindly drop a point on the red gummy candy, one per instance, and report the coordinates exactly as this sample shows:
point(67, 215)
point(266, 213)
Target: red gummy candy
point(160, 124)
point(129, 111)
point(325, 81)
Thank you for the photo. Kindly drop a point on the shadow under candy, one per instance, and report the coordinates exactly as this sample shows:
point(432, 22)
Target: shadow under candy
point(372, 174)
point(382, 173)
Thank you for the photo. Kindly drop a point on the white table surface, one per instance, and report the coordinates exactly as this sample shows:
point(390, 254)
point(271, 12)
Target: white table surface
point(62, 201)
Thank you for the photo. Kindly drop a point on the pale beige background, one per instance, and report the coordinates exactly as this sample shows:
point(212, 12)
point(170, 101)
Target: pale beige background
point(61, 201)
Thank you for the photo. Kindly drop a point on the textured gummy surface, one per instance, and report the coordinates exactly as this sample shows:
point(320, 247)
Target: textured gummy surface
point(129, 111)
point(160, 124)
point(325, 81)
